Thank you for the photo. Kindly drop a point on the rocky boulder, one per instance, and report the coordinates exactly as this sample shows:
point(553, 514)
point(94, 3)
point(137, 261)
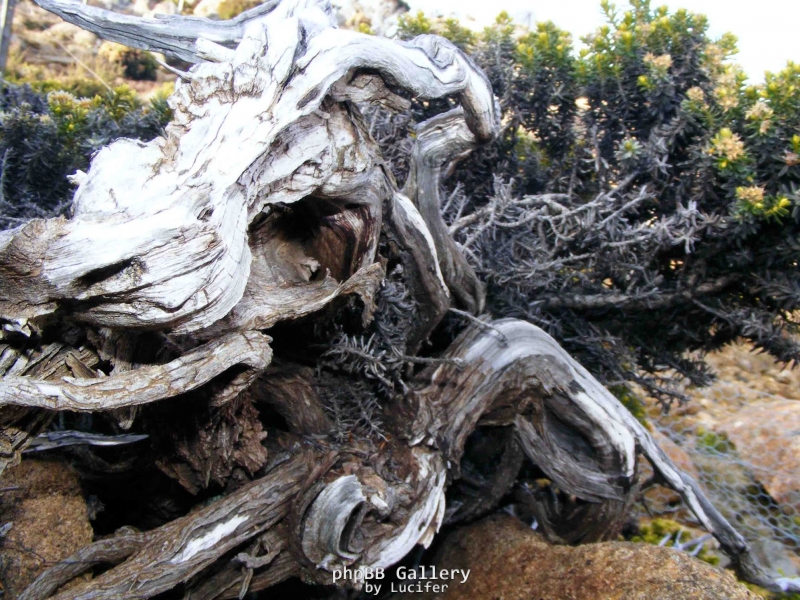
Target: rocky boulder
point(45, 517)
point(767, 437)
point(509, 561)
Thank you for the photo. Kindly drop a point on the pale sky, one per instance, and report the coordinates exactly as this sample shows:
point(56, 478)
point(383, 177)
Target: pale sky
point(768, 30)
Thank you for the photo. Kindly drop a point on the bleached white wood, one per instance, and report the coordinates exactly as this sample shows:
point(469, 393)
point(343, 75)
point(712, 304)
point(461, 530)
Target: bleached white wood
point(425, 519)
point(147, 384)
point(344, 499)
point(324, 540)
point(159, 233)
point(173, 35)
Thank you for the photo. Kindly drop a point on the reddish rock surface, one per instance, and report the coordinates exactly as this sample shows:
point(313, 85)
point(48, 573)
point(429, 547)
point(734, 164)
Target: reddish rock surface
point(508, 561)
point(767, 437)
point(49, 516)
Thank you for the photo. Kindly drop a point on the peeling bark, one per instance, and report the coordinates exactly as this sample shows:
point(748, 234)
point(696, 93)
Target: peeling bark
point(181, 549)
point(208, 446)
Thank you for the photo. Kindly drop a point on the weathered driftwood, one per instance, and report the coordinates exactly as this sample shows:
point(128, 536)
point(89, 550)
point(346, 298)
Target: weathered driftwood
point(568, 424)
point(513, 376)
point(264, 202)
point(53, 362)
point(168, 34)
point(147, 384)
point(440, 143)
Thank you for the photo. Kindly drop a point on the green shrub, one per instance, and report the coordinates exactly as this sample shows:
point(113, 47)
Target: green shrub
point(410, 26)
point(656, 530)
point(679, 181)
point(717, 443)
point(80, 87)
point(45, 138)
point(135, 64)
point(630, 401)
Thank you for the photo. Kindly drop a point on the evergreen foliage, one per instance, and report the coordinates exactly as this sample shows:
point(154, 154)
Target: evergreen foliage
point(46, 138)
point(642, 200)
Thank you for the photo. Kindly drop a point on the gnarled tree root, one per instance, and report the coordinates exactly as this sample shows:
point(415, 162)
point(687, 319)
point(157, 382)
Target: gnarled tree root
point(147, 384)
point(353, 511)
point(568, 424)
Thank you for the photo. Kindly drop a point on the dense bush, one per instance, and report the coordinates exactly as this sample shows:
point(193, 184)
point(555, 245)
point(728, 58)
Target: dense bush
point(45, 138)
point(641, 202)
point(135, 64)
